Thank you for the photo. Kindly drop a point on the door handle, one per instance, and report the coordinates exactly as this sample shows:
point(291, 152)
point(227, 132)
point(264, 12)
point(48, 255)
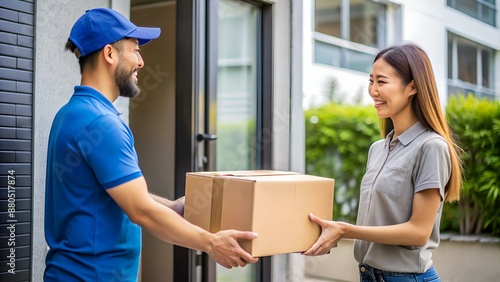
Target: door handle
point(205, 137)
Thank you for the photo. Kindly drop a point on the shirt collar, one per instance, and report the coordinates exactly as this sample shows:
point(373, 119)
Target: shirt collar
point(81, 90)
point(409, 135)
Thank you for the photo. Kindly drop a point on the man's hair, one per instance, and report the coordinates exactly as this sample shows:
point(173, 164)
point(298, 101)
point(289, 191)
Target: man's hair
point(90, 60)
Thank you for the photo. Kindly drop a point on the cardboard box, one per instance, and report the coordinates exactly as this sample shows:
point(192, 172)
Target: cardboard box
point(275, 204)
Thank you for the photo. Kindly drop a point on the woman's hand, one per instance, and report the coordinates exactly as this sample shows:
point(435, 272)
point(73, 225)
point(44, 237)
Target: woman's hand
point(331, 233)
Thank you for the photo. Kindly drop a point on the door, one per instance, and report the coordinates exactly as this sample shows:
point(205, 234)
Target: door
point(232, 110)
point(230, 125)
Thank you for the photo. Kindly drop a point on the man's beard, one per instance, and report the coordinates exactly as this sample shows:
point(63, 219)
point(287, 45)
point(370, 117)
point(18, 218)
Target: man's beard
point(125, 81)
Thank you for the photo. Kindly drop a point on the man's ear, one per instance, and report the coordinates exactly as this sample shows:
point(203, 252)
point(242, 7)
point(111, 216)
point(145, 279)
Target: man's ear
point(109, 54)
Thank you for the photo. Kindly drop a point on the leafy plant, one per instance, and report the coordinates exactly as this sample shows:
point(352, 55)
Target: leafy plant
point(236, 145)
point(338, 138)
point(476, 122)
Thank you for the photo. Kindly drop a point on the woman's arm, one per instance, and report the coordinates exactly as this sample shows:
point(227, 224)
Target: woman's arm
point(414, 232)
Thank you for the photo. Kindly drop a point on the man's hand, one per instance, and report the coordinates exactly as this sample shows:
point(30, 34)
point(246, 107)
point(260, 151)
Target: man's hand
point(226, 251)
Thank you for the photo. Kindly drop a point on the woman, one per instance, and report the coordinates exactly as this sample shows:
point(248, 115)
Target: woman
point(409, 174)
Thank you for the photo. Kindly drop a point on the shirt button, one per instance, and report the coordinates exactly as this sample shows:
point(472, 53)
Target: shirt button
point(363, 269)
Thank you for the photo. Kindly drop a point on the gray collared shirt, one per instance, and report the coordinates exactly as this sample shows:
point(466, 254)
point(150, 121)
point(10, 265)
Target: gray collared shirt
point(418, 159)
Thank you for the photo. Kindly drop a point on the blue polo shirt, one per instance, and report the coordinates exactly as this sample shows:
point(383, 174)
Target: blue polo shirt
point(90, 150)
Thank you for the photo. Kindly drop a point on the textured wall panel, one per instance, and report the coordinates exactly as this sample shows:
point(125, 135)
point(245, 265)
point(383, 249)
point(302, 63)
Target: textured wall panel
point(16, 96)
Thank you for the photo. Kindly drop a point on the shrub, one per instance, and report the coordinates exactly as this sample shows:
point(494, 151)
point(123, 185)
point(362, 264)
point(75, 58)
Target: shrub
point(338, 138)
point(476, 122)
point(237, 142)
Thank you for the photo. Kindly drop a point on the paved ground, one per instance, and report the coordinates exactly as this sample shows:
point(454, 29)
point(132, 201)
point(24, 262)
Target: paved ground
point(312, 279)
point(308, 279)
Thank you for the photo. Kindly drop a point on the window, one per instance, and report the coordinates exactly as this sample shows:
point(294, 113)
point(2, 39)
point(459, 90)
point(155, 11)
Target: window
point(329, 54)
point(470, 67)
point(348, 33)
point(483, 10)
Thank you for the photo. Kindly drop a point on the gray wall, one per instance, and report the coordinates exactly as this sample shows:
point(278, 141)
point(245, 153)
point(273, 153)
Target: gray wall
point(455, 260)
point(288, 116)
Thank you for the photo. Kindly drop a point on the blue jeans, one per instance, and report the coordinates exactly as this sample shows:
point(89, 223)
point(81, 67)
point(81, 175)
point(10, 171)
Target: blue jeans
point(370, 274)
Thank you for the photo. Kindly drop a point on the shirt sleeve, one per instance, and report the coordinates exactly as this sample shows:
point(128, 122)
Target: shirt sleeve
point(433, 168)
point(107, 145)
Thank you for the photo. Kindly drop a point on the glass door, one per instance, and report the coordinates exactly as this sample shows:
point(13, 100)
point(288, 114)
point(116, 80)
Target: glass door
point(234, 103)
point(232, 106)
point(237, 83)
point(223, 107)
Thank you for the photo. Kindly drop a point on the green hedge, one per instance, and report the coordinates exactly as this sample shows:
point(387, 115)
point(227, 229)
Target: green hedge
point(337, 141)
point(236, 145)
point(338, 138)
point(476, 122)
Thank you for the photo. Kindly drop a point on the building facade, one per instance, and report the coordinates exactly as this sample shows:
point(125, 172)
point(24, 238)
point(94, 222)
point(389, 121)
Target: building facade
point(221, 91)
point(341, 37)
point(340, 41)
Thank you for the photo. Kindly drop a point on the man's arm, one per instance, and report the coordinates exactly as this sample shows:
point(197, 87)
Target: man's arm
point(167, 225)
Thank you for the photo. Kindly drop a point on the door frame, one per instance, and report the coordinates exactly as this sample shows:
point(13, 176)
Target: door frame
point(185, 124)
point(191, 83)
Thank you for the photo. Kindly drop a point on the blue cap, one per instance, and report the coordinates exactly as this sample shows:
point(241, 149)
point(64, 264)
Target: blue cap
point(101, 26)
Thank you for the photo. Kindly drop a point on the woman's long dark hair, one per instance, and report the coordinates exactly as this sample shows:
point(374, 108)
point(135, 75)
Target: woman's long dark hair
point(411, 63)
